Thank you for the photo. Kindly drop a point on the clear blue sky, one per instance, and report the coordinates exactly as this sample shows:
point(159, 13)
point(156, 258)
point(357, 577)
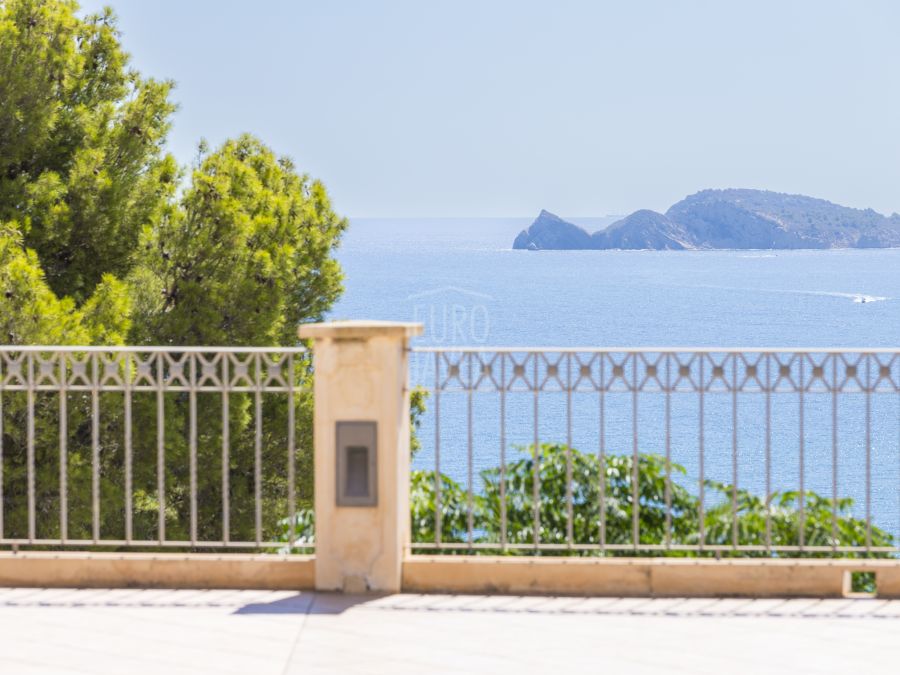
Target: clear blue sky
point(501, 108)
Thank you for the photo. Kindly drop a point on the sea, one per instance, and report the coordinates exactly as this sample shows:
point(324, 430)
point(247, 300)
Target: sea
point(462, 280)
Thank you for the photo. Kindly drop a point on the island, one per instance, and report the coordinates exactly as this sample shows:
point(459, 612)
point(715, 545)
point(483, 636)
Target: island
point(725, 219)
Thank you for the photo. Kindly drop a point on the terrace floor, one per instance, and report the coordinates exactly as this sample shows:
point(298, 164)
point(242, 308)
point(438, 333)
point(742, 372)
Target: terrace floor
point(259, 632)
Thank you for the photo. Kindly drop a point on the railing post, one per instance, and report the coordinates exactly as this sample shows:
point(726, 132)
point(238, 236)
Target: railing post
point(362, 511)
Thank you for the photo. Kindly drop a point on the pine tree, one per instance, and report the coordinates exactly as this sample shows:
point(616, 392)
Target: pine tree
point(105, 240)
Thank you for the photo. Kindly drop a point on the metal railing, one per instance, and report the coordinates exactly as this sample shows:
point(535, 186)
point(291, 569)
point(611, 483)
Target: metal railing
point(153, 447)
point(762, 452)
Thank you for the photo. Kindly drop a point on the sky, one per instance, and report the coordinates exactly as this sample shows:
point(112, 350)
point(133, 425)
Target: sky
point(493, 108)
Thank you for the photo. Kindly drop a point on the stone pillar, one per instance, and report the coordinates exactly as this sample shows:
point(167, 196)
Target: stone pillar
point(361, 375)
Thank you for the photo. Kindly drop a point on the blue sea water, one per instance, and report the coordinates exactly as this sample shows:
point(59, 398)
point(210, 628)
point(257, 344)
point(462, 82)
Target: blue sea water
point(463, 281)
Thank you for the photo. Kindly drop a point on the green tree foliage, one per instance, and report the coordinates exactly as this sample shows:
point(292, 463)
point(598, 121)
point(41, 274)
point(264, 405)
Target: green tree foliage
point(244, 258)
point(82, 168)
point(554, 463)
point(105, 240)
point(417, 398)
point(31, 313)
point(822, 521)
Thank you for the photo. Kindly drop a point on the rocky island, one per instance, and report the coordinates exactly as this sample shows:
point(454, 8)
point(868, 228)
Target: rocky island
point(717, 219)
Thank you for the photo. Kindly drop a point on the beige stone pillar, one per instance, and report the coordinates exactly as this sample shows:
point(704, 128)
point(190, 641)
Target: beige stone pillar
point(361, 375)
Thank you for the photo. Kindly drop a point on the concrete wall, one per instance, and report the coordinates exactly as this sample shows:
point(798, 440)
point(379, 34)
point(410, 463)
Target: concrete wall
point(157, 570)
point(644, 577)
point(618, 577)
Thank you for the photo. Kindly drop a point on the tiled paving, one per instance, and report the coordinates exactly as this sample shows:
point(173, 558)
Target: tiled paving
point(260, 632)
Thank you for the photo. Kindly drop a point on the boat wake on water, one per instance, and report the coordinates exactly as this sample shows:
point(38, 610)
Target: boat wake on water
point(858, 298)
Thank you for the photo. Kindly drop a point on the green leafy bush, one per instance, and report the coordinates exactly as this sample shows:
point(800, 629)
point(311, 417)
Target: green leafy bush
point(823, 522)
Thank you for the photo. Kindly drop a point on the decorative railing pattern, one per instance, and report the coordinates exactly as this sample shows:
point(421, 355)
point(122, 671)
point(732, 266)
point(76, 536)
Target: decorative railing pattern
point(653, 451)
point(153, 447)
point(751, 451)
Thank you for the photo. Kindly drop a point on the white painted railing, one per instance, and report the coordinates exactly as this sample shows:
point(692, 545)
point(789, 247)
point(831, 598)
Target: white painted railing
point(152, 447)
point(211, 448)
point(750, 451)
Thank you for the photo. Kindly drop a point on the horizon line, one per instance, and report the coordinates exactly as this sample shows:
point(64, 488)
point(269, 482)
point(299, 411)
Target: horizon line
point(607, 215)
